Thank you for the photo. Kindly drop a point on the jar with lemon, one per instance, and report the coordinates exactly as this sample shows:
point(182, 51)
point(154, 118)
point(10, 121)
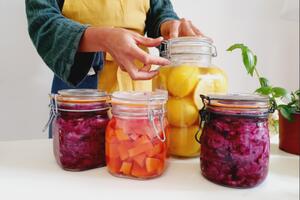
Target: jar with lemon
point(190, 74)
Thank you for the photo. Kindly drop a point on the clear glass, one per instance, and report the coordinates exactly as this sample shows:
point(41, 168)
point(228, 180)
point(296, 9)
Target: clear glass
point(190, 74)
point(134, 149)
point(78, 131)
point(235, 144)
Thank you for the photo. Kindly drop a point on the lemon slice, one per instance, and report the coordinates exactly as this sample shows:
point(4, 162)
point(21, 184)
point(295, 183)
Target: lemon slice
point(209, 84)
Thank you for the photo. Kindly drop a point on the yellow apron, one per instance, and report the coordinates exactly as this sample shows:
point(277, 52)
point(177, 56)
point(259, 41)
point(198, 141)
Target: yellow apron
point(129, 14)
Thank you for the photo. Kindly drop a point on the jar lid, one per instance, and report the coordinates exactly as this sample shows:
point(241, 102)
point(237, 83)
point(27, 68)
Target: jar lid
point(136, 98)
point(242, 101)
point(81, 96)
point(188, 45)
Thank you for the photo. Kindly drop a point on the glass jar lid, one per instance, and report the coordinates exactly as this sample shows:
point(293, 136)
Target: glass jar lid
point(237, 104)
point(239, 101)
point(81, 96)
point(188, 45)
point(77, 100)
point(140, 99)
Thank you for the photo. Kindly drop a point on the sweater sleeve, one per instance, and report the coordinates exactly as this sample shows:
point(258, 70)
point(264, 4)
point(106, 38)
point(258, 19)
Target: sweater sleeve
point(160, 11)
point(57, 39)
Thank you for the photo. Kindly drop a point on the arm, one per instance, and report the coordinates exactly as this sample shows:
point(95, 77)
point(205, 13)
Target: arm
point(160, 12)
point(67, 47)
point(162, 20)
point(57, 40)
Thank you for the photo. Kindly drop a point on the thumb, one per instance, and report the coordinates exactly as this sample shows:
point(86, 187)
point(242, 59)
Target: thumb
point(149, 42)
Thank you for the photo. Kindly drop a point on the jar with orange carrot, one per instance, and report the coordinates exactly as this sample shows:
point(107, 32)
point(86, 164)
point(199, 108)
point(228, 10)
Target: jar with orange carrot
point(136, 135)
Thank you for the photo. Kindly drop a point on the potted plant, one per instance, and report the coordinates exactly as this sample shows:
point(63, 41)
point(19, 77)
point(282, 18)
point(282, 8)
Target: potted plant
point(287, 105)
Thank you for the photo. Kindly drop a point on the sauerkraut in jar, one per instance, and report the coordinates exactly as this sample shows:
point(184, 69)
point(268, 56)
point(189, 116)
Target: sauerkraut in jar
point(190, 74)
point(135, 136)
point(78, 128)
point(235, 144)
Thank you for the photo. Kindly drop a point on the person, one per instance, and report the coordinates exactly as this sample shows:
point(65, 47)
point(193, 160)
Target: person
point(90, 43)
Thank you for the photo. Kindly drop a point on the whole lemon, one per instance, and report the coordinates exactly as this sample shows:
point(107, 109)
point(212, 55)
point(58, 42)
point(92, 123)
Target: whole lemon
point(163, 77)
point(181, 112)
point(182, 80)
point(182, 141)
point(212, 81)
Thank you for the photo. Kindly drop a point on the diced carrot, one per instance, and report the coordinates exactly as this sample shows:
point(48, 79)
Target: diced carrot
point(142, 140)
point(126, 168)
point(155, 150)
point(112, 123)
point(153, 164)
point(161, 167)
point(135, 126)
point(140, 159)
point(121, 135)
point(133, 136)
point(162, 155)
point(109, 132)
point(139, 172)
point(112, 140)
point(111, 150)
point(141, 148)
point(123, 151)
point(113, 164)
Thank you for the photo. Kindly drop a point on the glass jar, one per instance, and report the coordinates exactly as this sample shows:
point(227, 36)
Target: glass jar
point(190, 74)
point(135, 136)
point(78, 128)
point(235, 144)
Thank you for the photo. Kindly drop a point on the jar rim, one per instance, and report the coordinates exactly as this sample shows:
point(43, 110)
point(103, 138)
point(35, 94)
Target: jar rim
point(188, 45)
point(237, 101)
point(191, 39)
point(139, 98)
point(81, 96)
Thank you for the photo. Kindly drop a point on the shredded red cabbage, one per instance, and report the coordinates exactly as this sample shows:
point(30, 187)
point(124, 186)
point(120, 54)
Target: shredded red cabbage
point(235, 150)
point(79, 139)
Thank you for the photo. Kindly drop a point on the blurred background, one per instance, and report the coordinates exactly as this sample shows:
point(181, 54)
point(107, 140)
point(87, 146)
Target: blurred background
point(269, 27)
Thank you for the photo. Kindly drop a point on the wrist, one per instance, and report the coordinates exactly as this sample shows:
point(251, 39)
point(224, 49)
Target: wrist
point(94, 39)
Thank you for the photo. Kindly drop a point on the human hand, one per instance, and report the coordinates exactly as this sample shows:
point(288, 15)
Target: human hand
point(176, 28)
point(123, 44)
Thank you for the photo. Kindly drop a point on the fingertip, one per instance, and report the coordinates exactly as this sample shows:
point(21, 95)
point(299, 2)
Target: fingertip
point(152, 74)
point(162, 61)
point(173, 35)
point(154, 71)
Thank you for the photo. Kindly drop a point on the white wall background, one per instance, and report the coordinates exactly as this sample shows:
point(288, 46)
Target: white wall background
point(269, 27)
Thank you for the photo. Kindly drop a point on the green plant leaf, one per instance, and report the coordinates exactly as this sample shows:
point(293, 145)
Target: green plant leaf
point(263, 82)
point(264, 90)
point(279, 92)
point(295, 100)
point(286, 112)
point(249, 59)
point(236, 46)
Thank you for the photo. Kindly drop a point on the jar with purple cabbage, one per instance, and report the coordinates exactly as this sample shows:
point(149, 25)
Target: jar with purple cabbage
point(78, 128)
point(235, 144)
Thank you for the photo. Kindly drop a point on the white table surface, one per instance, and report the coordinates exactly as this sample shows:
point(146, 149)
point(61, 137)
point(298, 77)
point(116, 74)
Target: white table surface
point(28, 171)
